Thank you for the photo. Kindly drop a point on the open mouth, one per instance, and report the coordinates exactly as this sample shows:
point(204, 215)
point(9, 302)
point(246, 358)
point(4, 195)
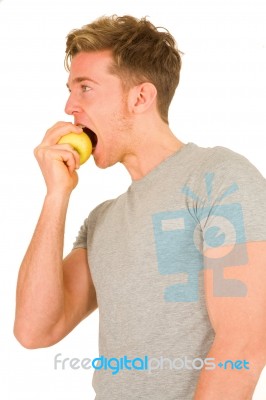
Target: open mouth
point(92, 136)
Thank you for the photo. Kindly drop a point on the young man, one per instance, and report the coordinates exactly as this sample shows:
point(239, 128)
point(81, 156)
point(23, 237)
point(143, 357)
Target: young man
point(176, 265)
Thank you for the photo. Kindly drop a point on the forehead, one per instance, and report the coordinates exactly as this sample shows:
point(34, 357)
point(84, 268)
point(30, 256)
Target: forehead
point(95, 65)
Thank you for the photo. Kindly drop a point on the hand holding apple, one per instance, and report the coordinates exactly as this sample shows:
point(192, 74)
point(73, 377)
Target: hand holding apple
point(80, 142)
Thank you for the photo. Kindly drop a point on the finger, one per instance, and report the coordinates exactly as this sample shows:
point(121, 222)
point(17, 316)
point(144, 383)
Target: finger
point(68, 159)
point(60, 129)
point(68, 147)
point(59, 152)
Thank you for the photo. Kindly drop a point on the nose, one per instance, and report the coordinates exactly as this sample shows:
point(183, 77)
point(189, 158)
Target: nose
point(72, 106)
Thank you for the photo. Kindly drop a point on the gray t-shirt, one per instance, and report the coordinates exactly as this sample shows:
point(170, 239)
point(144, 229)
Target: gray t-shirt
point(145, 252)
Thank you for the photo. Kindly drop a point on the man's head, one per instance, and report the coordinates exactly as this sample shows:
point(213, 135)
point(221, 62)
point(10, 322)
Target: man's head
point(141, 53)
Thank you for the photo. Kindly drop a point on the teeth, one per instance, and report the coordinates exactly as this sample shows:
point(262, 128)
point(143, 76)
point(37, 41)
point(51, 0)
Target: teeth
point(81, 126)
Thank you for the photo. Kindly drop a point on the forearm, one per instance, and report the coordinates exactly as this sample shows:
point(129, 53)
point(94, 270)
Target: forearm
point(40, 292)
point(232, 380)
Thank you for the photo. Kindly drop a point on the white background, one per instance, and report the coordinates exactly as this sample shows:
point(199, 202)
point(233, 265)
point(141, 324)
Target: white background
point(220, 101)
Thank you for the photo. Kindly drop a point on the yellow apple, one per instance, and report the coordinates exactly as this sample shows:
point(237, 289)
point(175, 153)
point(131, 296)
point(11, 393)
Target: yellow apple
point(80, 142)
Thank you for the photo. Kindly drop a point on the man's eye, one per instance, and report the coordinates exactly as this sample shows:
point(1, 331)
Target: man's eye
point(85, 88)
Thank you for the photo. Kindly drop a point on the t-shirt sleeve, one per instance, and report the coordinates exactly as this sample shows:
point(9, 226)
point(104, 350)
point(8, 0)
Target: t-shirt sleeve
point(81, 239)
point(230, 207)
point(86, 231)
point(234, 200)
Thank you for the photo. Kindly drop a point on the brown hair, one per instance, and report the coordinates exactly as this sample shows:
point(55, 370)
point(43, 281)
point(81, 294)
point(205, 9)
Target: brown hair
point(140, 52)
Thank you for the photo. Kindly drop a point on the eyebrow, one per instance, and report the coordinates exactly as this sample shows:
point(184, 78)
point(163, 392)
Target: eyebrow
point(82, 79)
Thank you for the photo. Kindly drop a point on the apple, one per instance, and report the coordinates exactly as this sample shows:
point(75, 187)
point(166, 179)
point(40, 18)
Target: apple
point(80, 142)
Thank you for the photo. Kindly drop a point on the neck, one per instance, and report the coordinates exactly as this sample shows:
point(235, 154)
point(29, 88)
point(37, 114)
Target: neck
point(150, 149)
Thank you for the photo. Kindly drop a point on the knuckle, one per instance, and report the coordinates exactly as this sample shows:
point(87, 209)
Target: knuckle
point(36, 151)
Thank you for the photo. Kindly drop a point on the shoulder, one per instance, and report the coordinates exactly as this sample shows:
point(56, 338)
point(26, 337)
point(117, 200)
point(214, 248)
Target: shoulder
point(100, 210)
point(223, 161)
point(103, 209)
point(219, 155)
point(221, 175)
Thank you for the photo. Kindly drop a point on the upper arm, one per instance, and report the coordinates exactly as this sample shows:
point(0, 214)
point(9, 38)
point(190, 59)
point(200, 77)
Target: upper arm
point(79, 292)
point(236, 295)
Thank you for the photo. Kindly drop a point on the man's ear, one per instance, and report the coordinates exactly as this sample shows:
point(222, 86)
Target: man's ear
point(142, 97)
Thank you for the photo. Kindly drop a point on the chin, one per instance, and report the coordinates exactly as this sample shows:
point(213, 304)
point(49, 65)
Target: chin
point(102, 160)
point(102, 163)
